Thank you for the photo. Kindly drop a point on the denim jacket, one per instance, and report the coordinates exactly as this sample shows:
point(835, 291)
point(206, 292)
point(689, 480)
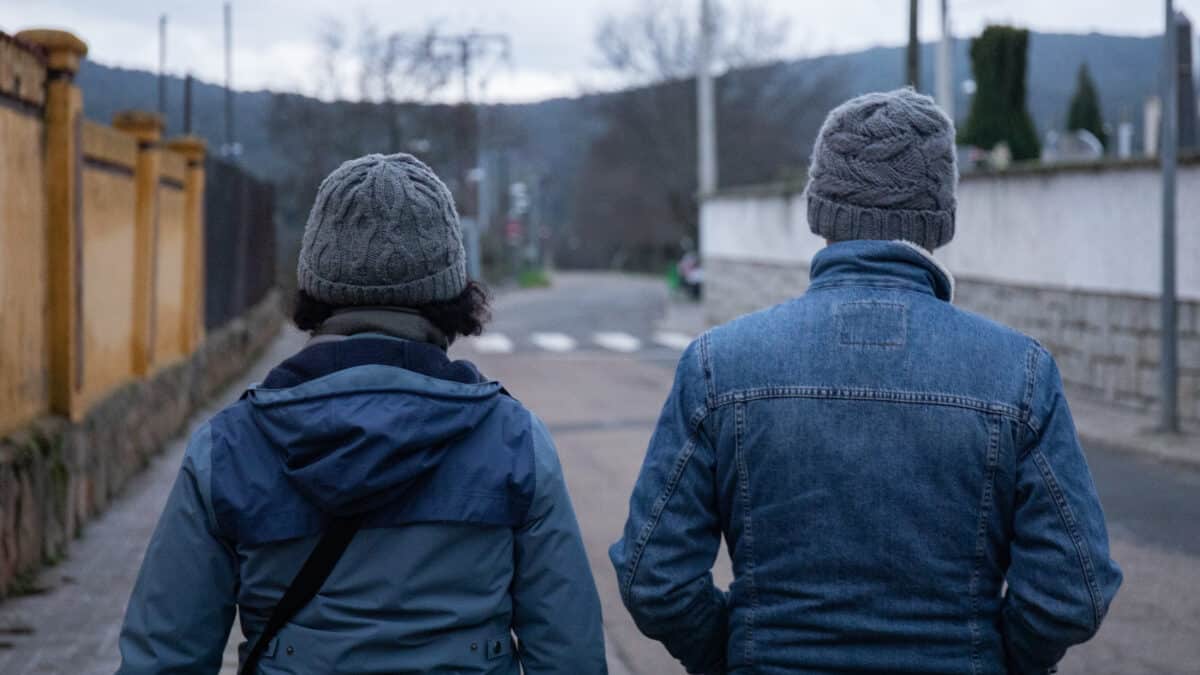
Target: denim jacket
point(898, 482)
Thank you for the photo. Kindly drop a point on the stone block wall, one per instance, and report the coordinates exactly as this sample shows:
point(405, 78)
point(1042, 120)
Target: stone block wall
point(736, 287)
point(1107, 346)
point(56, 475)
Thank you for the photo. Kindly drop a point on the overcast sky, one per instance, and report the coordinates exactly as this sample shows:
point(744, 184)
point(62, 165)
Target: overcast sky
point(275, 40)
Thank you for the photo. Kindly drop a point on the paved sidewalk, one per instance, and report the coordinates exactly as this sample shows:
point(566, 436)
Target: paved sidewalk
point(1106, 425)
point(71, 627)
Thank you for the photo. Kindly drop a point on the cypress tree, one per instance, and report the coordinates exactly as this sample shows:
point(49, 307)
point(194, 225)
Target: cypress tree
point(998, 112)
point(1085, 107)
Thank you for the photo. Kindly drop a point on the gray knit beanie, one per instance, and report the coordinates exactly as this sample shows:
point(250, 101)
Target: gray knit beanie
point(383, 231)
point(884, 167)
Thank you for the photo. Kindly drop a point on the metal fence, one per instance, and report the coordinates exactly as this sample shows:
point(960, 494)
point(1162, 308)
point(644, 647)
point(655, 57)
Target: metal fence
point(239, 241)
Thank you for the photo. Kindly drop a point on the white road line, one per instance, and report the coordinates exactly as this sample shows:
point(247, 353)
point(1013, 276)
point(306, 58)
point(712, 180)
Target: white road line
point(673, 340)
point(553, 342)
point(617, 342)
point(492, 343)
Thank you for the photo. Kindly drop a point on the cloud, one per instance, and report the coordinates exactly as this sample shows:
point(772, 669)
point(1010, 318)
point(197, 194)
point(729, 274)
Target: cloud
point(275, 40)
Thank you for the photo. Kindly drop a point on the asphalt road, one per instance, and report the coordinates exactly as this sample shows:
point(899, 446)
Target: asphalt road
point(600, 403)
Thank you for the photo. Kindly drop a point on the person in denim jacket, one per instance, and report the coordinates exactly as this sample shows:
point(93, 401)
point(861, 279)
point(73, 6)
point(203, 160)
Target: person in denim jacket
point(899, 482)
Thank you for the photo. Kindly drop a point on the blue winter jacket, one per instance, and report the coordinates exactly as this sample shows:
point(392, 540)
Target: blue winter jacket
point(898, 482)
point(470, 539)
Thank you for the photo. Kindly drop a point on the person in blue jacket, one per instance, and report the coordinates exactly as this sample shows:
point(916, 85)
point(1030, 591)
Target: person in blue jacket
point(898, 482)
point(469, 557)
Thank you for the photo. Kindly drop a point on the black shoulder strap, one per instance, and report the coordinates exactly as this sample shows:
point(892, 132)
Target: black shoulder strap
point(304, 587)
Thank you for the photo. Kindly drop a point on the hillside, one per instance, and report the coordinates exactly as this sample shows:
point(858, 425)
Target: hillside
point(614, 172)
point(1125, 70)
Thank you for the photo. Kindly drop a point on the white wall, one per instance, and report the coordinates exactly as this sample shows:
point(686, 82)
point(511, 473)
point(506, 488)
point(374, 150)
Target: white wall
point(1079, 229)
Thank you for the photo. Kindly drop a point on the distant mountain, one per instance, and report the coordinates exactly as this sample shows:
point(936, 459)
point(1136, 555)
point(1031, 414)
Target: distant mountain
point(1125, 70)
point(107, 90)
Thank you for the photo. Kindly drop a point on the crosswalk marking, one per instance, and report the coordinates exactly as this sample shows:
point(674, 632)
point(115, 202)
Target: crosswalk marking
point(618, 342)
point(493, 343)
point(613, 341)
point(678, 341)
point(553, 342)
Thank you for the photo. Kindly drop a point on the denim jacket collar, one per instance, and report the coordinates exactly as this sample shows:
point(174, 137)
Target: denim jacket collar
point(897, 264)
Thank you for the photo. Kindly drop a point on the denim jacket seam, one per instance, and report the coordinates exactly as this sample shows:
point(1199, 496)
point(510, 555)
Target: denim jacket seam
point(660, 505)
point(831, 285)
point(1031, 421)
point(647, 531)
point(1077, 539)
point(1033, 358)
point(986, 499)
point(706, 368)
point(747, 537)
point(869, 394)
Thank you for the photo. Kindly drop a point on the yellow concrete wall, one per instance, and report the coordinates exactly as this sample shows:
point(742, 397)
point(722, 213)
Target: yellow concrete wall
point(109, 201)
point(99, 239)
point(169, 339)
point(23, 360)
point(24, 366)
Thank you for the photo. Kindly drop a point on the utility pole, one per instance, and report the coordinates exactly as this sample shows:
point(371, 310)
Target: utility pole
point(945, 64)
point(1170, 150)
point(231, 148)
point(706, 109)
point(913, 60)
point(470, 46)
point(162, 66)
point(187, 104)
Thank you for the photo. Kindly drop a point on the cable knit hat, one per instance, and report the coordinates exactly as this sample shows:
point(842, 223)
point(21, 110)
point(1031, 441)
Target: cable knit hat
point(884, 167)
point(383, 231)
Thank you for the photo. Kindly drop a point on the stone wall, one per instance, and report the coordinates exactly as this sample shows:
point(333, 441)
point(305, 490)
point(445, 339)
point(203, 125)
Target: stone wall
point(56, 475)
point(736, 287)
point(1107, 346)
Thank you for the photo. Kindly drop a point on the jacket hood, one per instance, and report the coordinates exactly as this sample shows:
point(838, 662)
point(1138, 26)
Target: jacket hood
point(359, 437)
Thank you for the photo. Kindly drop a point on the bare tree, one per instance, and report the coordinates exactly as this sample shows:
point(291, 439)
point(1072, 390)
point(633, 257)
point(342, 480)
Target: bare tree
point(658, 41)
point(641, 171)
point(402, 66)
point(331, 39)
point(397, 68)
point(396, 74)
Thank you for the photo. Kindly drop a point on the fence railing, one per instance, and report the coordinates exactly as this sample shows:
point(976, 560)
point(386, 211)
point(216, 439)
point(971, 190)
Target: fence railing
point(239, 239)
point(103, 271)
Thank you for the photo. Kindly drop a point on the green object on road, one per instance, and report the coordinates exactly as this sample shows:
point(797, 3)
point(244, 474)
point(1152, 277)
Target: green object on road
point(673, 278)
point(533, 277)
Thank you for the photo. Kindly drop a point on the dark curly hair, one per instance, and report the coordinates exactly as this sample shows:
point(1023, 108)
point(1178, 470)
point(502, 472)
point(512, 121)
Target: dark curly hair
point(462, 316)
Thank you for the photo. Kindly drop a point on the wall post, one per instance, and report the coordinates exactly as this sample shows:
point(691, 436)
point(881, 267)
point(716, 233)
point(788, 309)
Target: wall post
point(192, 148)
point(147, 128)
point(63, 166)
